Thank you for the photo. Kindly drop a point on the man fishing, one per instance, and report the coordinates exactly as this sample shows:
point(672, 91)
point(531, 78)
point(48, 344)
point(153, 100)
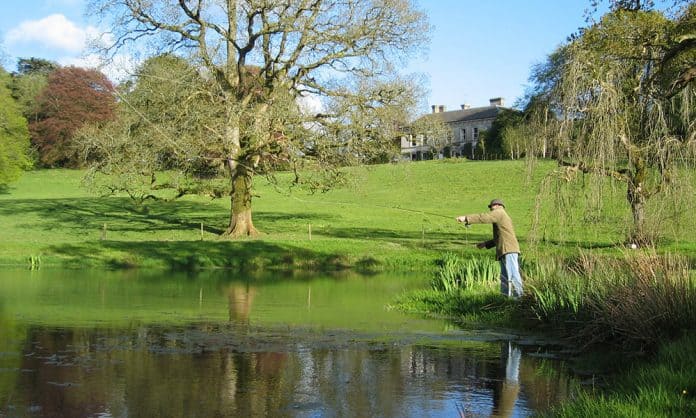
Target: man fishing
point(507, 249)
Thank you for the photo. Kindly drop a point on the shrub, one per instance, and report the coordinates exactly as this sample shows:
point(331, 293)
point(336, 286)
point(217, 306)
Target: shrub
point(654, 302)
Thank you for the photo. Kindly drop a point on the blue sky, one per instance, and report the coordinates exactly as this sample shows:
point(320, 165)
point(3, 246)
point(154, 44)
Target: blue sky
point(479, 49)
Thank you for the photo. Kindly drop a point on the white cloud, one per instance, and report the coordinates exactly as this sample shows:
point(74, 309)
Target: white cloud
point(118, 69)
point(54, 31)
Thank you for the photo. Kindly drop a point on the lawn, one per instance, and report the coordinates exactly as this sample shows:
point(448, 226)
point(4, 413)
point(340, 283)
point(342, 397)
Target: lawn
point(393, 216)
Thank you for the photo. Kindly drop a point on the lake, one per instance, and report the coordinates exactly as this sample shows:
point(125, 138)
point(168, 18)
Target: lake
point(76, 343)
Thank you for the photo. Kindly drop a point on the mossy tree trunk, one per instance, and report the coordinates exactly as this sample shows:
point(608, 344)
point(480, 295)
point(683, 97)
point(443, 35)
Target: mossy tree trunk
point(637, 196)
point(241, 223)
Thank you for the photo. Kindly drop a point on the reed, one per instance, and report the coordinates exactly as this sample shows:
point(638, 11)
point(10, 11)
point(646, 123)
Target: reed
point(637, 301)
point(34, 262)
point(465, 288)
point(455, 273)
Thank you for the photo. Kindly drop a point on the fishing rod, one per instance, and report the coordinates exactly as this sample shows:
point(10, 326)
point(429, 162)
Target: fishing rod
point(423, 212)
point(427, 213)
point(466, 225)
point(418, 211)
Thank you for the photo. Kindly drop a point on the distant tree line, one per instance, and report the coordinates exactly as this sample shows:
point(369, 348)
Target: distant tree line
point(43, 107)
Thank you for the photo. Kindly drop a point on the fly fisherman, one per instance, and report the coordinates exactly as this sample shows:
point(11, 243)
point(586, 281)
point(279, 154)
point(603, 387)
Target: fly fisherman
point(507, 249)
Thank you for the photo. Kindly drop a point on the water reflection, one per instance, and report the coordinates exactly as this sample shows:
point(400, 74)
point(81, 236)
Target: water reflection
point(207, 370)
point(86, 347)
point(507, 387)
point(240, 297)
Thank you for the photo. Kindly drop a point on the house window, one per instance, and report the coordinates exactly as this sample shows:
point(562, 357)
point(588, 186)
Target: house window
point(462, 134)
point(476, 134)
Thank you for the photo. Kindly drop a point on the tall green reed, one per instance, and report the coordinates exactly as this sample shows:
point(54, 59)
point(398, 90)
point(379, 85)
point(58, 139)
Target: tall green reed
point(456, 273)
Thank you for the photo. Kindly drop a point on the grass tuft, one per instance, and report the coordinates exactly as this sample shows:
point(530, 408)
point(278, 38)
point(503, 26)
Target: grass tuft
point(636, 301)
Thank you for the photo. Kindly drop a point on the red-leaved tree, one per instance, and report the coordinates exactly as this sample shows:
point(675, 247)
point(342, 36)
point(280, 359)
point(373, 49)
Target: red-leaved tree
point(73, 97)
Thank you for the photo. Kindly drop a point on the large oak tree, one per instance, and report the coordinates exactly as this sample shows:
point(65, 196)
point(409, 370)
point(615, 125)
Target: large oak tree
point(257, 60)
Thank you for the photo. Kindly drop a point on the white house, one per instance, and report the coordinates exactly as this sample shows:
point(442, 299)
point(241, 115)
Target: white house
point(465, 126)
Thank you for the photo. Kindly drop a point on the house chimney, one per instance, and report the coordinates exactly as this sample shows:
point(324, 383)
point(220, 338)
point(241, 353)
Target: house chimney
point(441, 108)
point(466, 106)
point(497, 101)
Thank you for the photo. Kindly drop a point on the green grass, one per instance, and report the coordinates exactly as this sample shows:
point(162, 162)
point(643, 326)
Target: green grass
point(477, 306)
point(662, 387)
point(394, 216)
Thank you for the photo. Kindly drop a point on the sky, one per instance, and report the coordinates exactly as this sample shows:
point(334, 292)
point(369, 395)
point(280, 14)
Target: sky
point(479, 49)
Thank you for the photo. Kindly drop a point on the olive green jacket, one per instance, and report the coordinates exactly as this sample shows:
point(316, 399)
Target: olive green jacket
point(504, 239)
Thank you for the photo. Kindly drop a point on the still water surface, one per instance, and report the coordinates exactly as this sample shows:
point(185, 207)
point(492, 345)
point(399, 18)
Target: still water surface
point(216, 344)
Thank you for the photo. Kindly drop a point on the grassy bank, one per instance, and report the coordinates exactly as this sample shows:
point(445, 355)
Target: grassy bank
point(636, 310)
point(664, 386)
point(395, 216)
point(49, 218)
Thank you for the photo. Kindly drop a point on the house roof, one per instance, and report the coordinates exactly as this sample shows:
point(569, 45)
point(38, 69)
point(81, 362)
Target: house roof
point(475, 113)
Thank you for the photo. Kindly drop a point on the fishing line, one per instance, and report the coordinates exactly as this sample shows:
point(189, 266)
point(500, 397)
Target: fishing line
point(466, 226)
point(399, 208)
point(329, 202)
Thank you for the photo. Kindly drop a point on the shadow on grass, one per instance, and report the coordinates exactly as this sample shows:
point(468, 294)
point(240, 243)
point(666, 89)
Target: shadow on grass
point(84, 216)
point(435, 240)
point(121, 214)
point(191, 255)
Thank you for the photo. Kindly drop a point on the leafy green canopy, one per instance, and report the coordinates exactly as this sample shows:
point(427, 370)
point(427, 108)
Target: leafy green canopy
point(14, 134)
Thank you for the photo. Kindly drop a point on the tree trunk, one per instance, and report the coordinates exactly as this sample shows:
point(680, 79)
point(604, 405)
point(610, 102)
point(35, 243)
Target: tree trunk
point(241, 224)
point(637, 197)
point(241, 178)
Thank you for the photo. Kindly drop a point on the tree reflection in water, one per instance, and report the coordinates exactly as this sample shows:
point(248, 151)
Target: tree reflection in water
point(240, 297)
point(215, 371)
point(247, 348)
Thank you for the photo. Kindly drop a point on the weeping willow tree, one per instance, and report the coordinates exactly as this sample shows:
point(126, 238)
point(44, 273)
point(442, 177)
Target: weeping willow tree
point(617, 102)
point(255, 61)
